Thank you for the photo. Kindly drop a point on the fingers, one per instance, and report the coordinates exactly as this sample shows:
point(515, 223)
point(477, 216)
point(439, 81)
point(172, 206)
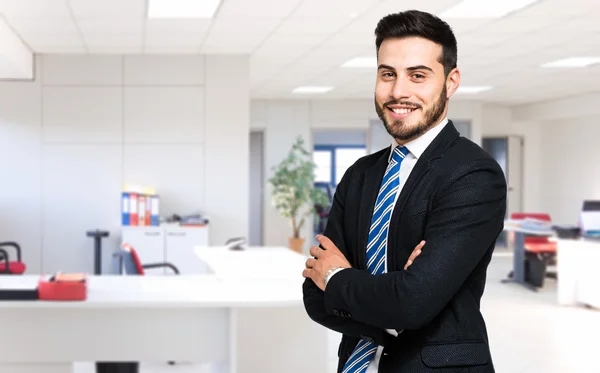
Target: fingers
point(416, 252)
point(326, 242)
point(310, 263)
point(315, 251)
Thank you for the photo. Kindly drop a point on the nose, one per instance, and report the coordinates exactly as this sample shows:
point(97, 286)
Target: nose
point(401, 89)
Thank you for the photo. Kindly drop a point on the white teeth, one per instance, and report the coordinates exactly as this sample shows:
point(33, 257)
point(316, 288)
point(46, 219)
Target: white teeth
point(401, 111)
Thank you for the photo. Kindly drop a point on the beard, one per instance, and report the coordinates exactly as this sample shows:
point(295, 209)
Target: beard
point(399, 130)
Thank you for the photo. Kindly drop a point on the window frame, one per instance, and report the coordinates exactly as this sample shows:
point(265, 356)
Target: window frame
point(331, 149)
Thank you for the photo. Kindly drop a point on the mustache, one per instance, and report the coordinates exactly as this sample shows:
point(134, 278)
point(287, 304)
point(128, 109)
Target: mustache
point(403, 103)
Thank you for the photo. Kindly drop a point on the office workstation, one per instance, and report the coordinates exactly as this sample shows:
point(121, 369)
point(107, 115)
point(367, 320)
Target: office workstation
point(229, 317)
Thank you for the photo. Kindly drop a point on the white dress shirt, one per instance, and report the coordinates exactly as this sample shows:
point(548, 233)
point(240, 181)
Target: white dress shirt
point(416, 148)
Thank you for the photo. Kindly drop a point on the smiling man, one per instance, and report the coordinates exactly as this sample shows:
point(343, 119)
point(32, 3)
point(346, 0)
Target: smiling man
point(402, 309)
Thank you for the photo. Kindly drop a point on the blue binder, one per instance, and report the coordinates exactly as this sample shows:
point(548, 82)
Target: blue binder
point(125, 209)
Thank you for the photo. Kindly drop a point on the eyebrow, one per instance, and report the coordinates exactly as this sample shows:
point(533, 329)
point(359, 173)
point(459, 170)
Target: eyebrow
point(409, 69)
point(419, 67)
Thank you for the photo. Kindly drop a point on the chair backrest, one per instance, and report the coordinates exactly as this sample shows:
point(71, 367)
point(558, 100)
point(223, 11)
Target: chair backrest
point(532, 215)
point(131, 260)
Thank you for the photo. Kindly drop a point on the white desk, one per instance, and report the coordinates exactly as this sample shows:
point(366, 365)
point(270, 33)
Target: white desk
point(241, 325)
point(578, 275)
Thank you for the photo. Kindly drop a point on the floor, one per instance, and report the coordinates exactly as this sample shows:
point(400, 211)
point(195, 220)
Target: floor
point(529, 332)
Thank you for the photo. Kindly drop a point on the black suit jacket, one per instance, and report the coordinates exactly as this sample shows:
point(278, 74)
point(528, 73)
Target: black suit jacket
point(455, 199)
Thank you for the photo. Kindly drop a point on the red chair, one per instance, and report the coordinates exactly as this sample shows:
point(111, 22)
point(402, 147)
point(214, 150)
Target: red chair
point(536, 244)
point(8, 267)
point(131, 263)
point(540, 251)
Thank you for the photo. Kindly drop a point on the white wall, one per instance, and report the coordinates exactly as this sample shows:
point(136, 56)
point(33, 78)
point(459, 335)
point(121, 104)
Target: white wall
point(70, 140)
point(282, 121)
point(499, 122)
point(568, 156)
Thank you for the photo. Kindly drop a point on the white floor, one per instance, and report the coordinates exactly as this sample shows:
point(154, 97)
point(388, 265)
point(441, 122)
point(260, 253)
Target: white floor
point(529, 332)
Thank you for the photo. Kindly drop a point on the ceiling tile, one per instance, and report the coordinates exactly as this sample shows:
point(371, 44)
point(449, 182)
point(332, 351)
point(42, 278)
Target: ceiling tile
point(347, 9)
point(35, 8)
point(115, 50)
point(231, 43)
point(43, 26)
point(256, 8)
point(311, 25)
point(40, 42)
point(48, 49)
point(174, 41)
point(161, 27)
point(249, 25)
point(108, 8)
point(170, 50)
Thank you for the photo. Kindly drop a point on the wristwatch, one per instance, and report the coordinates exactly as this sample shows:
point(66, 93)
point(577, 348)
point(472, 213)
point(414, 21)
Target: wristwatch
point(331, 272)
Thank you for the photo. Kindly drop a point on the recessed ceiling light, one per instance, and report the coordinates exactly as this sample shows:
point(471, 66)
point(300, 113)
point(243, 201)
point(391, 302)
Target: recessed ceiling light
point(182, 8)
point(370, 62)
point(573, 62)
point(312, 89)
point(472, 89)
point(485, 9)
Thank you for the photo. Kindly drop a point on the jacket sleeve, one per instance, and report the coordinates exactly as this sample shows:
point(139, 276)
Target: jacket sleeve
point(314, 298)
point(466, 218)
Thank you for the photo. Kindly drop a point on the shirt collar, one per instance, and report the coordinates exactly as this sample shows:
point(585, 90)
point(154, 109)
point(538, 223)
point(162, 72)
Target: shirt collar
point(418, 146)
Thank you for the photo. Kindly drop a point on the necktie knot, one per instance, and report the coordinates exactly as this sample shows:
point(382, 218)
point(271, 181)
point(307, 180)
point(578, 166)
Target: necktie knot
point(400, 152)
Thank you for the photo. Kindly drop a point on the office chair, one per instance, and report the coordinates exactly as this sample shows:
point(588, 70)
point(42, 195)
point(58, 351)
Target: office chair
point(8, 267)
point(539, 251)
point(131, 263)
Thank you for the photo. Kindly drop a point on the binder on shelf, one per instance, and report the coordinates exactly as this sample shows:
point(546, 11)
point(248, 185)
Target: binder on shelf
point(154, 211)
point(142, 210)
point(125, 210)
point(133, 209)
point(148, 212)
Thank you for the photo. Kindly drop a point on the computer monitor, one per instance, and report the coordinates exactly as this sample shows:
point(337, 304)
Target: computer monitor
point(591, 206)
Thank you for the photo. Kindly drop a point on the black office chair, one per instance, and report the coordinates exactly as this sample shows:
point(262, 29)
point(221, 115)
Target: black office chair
point(8, 267)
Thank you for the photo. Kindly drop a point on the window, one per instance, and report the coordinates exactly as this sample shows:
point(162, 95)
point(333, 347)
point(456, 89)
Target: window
point(344, 158)
point(333, 160)
point(322, 158)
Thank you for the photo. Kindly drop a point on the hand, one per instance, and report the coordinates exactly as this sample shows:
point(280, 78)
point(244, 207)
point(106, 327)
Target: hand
point(414, 254)
point(323, 261)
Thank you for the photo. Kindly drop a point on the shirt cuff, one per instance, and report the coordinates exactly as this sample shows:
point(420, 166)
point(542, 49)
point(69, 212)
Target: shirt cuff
point(331, 275)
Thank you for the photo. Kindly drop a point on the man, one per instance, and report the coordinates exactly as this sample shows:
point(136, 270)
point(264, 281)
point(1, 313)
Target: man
point(431, 185)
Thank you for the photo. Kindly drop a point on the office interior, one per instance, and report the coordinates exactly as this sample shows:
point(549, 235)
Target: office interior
point(188, 110)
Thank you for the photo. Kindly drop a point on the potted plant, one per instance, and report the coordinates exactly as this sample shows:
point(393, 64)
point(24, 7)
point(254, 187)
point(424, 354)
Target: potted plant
point(294, 194)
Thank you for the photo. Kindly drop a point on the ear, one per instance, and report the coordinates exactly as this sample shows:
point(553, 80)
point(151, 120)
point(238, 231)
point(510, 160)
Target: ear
point(452, 82)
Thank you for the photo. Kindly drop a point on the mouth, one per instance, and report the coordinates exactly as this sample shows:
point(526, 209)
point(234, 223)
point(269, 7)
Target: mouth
point(401, 112)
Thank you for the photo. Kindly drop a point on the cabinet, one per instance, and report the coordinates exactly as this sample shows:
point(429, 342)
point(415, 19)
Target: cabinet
point(173, 244)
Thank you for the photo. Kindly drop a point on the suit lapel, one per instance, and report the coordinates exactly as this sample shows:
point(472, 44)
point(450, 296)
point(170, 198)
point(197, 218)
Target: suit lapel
point(434, 151)
point(370, 189)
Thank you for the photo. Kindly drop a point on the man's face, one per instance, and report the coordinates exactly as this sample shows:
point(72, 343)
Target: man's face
point(412, 92)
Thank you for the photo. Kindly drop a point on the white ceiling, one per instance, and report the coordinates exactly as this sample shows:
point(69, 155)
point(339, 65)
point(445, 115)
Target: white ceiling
point(304, 42)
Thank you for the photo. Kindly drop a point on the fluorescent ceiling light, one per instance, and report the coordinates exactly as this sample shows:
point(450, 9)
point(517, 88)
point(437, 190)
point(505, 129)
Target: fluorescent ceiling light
point(472, 89)
point(370, 62)
point(485, 9)
point(182, 8)
point(312, 89)
point(573, 62)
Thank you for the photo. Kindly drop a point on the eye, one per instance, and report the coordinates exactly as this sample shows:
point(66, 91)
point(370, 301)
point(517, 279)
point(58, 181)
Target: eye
point(388, 74)
point(418, 76)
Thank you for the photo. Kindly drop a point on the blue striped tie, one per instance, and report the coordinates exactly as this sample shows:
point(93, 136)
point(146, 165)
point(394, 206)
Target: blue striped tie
point(377, 247)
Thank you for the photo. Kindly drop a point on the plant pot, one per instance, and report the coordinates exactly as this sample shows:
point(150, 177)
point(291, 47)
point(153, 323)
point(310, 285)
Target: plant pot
point(296, 244)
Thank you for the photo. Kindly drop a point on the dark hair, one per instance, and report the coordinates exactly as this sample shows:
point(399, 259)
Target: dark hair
point(421, 24)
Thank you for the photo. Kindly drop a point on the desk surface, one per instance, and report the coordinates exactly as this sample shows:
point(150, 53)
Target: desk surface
point(255, 262)
point(257, 277)
point(205, 291)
